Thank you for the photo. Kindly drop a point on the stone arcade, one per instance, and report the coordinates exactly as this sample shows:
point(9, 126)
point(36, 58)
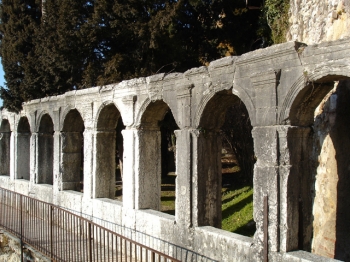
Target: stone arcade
point(42, 148)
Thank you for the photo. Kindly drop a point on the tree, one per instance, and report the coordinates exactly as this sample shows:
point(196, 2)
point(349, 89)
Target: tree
point(50, 47)
point(19, 22)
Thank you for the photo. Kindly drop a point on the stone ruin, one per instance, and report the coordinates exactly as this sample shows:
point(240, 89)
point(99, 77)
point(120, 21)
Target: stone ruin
point(42, 149)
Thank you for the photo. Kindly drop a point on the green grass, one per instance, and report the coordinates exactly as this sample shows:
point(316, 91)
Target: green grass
point(237, 210)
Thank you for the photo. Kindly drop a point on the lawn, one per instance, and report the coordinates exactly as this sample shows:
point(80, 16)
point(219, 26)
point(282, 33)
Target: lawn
point(237, 206)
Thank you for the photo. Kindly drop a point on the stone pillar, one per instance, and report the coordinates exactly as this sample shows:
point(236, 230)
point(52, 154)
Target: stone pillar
point(104, 167)
point(147, 169)
point(129, 136)
point(71, 143)
point(206, 178)
point(33, 158)
point(183, 202)
point(266, 184)
point(281, 173)
point(89, 138)
point(12, 154)
point(22, 157)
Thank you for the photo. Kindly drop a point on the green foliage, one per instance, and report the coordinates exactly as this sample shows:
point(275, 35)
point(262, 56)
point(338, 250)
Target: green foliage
point(51, 47)
point(276, 14)
point(19, 22)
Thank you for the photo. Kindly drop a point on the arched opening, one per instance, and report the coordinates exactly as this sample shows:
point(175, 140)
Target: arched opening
point(168, 157)
point(5, 138)
point(225, 165)
point(72, 152)
point(23, 149)
point(155, 187)
point(109, 152)
point(45, 151)
point(319, 181)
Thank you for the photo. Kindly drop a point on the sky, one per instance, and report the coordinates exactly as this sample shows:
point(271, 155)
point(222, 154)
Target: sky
point(2, 80)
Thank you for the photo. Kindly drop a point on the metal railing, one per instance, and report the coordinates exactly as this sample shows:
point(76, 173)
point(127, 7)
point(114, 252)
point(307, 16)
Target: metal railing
point(64, 236)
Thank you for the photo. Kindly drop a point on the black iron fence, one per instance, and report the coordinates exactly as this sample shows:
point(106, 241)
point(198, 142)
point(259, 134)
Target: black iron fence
point(64, 236)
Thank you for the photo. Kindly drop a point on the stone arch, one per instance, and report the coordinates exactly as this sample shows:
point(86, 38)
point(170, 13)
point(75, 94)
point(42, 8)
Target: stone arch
point(316, 140)
point(5, 142)
point(237, 91)
point(106, 147)
point(39, 118)
point(68, 110)
point(145, 116)
point(148, 179)
point(45, 150)
point(209, 144)
point(23, 149)
point(307, 92)
point(72, 148)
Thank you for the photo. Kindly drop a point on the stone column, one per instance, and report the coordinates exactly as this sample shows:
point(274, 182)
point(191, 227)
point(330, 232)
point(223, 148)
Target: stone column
point(129, 141)
point(56, 159)
point(89, 138)
point(147, 169)
point(206, 178)
point(12, 155)
point(33, 158)
point(183, 202)
point(266, 184)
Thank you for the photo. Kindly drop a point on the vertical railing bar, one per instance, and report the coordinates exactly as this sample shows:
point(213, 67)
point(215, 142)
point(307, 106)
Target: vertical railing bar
point(108, 234)
point(51, 230)
point(42, 208)
point(96, 242)
point(125, 251)
point(82, 238)
point(60, 232)
point(69, 237)
point(117, 249)
point(21, 226)
point(89, 240)
point(99, 243)
point(130, 251)
point(75, 235)
point(66, 234)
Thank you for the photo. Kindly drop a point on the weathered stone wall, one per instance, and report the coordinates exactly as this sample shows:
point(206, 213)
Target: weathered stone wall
point(331, 205)
point(316, 21)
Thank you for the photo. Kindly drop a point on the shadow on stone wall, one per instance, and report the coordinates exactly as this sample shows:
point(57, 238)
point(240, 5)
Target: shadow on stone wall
point(331, 170)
